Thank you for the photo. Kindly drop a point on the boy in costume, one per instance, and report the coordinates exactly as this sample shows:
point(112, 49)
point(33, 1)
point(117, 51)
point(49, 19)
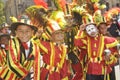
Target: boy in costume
point(4, 46)
point(54, 56)
point(23, 57)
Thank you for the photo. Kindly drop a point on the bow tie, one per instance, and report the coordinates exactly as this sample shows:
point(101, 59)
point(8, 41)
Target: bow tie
point(25, 45)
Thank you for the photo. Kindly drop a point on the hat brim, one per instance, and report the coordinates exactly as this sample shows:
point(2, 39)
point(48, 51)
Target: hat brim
point(4, 35)
point(4, 27)
point(15, 25)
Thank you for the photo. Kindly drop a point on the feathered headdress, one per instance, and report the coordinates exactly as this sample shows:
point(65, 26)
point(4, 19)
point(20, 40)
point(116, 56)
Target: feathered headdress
point(111, 13)
point(37, 14)
point(41, 3)
point(60, 4)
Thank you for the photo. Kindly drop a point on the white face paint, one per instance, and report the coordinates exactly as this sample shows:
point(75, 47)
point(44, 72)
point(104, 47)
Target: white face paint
point(91, 30)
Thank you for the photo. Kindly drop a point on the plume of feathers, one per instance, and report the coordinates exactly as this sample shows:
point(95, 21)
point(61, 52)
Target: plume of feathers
point(60, 4)
point(41, 3)
point(36, 14)
point(13, 19)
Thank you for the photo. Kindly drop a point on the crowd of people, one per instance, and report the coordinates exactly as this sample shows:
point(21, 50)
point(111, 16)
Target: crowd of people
point(45, 44)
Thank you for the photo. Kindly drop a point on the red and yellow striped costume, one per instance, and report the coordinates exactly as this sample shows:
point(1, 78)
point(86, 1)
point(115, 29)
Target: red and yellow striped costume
point(18, 65)
point(95, 50)
point(2, 57)
point(55, 63)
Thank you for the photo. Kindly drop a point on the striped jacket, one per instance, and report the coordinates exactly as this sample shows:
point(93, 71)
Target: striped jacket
point(95, 53)
point(18, 66)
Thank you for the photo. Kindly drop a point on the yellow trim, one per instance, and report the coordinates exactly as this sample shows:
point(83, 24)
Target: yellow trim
point(84, 41)
point(44, 35)
point(4, 73)
point(89, 48)
point(18, 46)
point(112, 44)
point(9, 74)
point(108, 77)
point(100, 48)
point(51, 68)
point(95, 45)
point(66, 78)
point(103, 69)
point(43, 47)
point(47, 35)
point(64, 50)
point(94, 53)
point(36, 74)
point(52, 56)
point(113, 59)
point(50, 30)
point(15, 58)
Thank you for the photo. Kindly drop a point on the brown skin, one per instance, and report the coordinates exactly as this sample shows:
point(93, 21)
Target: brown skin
point(103, 29)
point(58, 36)
point(39, 32)
point(24, 33)
point(4, 40)
point(4, 30)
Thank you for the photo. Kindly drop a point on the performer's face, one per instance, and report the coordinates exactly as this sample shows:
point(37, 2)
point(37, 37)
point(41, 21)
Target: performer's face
point(91, 30)
point(4, 40)
point(103, 29)
point(24, 33)
point(5, 30)
point(58, 37)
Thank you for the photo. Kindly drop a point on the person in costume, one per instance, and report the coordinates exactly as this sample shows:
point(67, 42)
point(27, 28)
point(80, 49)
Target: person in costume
point(53, 65)
point(4, 46)
point(71, 31)
point(114, 29)
point(54, 54)
point(103, 30)
point(23, 57)
point(4, 28)
point(74, 23)
point(102, 26)
point(99, 61)
point(40, 17)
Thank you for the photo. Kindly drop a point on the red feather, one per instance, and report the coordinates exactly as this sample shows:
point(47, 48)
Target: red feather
point(62, 4)
point(114, 10)
point(41, 3)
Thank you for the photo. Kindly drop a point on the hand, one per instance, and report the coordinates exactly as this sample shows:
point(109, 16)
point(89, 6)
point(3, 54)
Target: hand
point(82, 27)
point(107, 58)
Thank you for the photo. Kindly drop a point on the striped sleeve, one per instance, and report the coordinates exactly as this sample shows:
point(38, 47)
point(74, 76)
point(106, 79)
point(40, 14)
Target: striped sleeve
point(110, 42)
point(14, 63)
point(36, 63)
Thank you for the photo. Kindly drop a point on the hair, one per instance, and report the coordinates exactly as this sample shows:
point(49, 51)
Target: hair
point(77, 17)
point(5, 35)
point(102, 23)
